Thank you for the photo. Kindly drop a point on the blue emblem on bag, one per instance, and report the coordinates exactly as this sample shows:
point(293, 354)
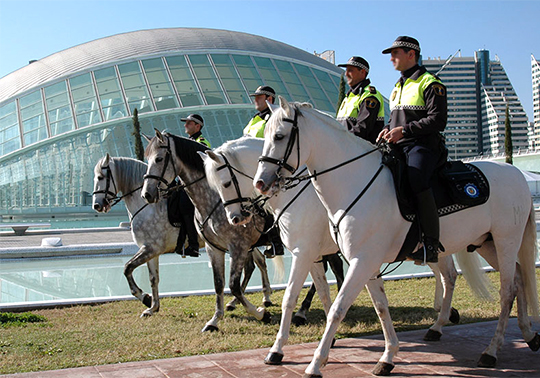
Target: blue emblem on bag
point(471, 190)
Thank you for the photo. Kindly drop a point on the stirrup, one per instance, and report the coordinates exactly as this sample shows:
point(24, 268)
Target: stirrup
point(428, 252)
point(188, 251)
point(272, 251)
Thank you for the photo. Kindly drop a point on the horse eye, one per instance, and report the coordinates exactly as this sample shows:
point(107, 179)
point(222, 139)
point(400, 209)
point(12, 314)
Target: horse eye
point(159, 159)
point(227, 184)
point(278, 136)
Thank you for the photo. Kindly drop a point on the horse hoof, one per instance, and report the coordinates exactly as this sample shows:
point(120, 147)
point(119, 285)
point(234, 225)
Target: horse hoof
point(534, 344)
point(311, 375)
point(210, 328)
point(146, 314)
point(432, 335)
point(273, 358)
point(230, 307)
point(268, 304)
point(298, 320)
point(487, 361)
point(333, 342)
point(454, 316)
point(147, 300)
point(267, 318)
point(382, 368)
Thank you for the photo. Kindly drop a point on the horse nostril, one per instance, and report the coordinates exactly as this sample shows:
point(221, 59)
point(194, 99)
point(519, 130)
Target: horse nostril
point(97, 207)
point(235, 220)
point(259, 185)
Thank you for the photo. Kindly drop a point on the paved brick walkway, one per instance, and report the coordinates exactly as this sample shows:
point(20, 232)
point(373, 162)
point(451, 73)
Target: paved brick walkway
point(454, 356)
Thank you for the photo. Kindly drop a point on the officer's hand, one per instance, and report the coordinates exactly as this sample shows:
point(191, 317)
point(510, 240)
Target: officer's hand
point(382, 135)
point(394, 135)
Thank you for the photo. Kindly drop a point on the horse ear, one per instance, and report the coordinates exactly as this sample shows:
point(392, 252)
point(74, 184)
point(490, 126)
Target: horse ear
point(159, 135)
point(284, 104)
point(212, 155)
point(271, 106)
point(148, 139)
point(107, 158)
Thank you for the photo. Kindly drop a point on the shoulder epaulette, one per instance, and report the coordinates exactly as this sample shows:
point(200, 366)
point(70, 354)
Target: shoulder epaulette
point(372, 89)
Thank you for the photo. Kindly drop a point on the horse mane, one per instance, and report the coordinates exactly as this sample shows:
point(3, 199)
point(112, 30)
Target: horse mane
point(128, 173)
point(186, 150)
point(231, 151)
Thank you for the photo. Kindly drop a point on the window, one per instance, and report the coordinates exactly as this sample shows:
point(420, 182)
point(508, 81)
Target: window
point(33, 118)
point(9, 129)
point(160, 85)
point(137, 95)
point(183, 81)
point(230, 79)
point(110, 96)
point(84, 100)
point(207, 79)
point(59, 108)
point(271, 77)
point(248, 72)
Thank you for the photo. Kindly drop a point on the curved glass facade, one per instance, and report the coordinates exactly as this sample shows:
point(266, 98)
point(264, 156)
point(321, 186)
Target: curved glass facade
point(52, 136)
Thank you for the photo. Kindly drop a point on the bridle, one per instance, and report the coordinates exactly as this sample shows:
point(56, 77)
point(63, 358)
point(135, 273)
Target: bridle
point(239, 199)
point(294, 137)
point(168, 158)
point(113, 199)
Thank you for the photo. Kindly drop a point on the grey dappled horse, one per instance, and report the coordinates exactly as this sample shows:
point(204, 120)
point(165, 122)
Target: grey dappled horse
point(150, 227)
point(170, 156)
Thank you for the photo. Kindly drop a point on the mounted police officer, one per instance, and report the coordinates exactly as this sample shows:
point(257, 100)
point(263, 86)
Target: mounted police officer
point(362, 111)
point(193, 125)
point(255, 128)
point(418, 116)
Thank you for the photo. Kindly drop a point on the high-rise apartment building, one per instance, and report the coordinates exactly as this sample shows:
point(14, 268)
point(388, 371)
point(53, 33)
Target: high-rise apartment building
point(534, 136)
point(478, 92)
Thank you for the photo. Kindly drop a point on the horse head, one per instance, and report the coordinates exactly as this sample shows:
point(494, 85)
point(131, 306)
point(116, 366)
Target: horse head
point(161, 169)
point(105, 189)
point(230, 183)
point(281, 152)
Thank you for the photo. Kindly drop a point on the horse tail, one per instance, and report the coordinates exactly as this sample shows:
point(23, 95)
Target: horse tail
point(279, 268)
point(474, 274)
point(528, 252)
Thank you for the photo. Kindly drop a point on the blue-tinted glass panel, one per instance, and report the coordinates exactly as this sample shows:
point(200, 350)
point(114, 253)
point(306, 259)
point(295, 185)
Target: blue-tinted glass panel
point(9, 129)
point(314, 89)
point(294, 84)
point(137, 94)
point(160, 86)
point(271, 77)
point(110, 96)
point(59, 108)
point(33, 118)
point(248, 72)
point(84, 100)
point(183, 81)
point(230, 79)
point(207, 79)
point(328, 85)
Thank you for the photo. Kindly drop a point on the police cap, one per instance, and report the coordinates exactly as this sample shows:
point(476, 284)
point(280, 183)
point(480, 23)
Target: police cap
point(356, 61)
point(401, 42)
point(264, 90)
point(195, 118)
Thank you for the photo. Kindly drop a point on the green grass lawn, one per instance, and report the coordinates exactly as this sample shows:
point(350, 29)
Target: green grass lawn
point(113, 332)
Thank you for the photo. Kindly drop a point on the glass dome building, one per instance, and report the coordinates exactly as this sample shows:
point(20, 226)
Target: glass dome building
point(60, 114)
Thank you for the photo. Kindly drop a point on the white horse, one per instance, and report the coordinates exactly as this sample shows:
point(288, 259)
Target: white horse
point(373, 230)
point(229, 170)
point(150, 227)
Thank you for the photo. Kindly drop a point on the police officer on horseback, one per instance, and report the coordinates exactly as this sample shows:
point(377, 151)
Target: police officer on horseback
point(193, 125)
point(255, 128)
point(362, 110)
point(418, 116)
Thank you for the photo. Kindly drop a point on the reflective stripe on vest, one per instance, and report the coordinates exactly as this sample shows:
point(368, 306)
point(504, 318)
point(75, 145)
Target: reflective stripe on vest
point(411, 95)
point(201, 139)
point(351, 104)
point(255, 127)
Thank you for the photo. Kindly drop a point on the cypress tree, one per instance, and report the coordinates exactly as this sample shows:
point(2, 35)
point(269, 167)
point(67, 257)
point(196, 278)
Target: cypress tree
point(508, 137)
point(139, 150)
point(341, 96)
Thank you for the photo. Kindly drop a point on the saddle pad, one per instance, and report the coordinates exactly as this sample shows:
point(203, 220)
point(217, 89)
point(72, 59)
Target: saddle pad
point(456, 186)
point(173, 209)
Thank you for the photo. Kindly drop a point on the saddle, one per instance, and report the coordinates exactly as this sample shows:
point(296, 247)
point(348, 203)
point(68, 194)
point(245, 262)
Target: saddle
point(456, 186)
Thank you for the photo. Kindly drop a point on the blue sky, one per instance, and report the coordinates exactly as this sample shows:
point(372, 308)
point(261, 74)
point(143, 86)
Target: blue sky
point(509, 29)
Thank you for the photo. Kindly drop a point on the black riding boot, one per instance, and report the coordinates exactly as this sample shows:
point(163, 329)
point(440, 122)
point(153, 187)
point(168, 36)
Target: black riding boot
point(187, 211)
point(428, 218)
point(276, 247)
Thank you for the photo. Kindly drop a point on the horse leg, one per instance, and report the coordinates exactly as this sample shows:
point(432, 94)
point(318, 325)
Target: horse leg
point(217, 258)
point(299, 270)
point(237, 265)
point(260, 261)
point(143, 255)
point(524, 323)
point(505, 261)
point(336, 264)
point(153, 270)
point(375, 288)
point(300, 318)
point(358, 275)
point(249, 267)
point(446, 270)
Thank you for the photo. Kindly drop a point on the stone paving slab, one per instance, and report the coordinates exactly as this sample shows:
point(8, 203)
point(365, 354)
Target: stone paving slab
point(454, 356)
